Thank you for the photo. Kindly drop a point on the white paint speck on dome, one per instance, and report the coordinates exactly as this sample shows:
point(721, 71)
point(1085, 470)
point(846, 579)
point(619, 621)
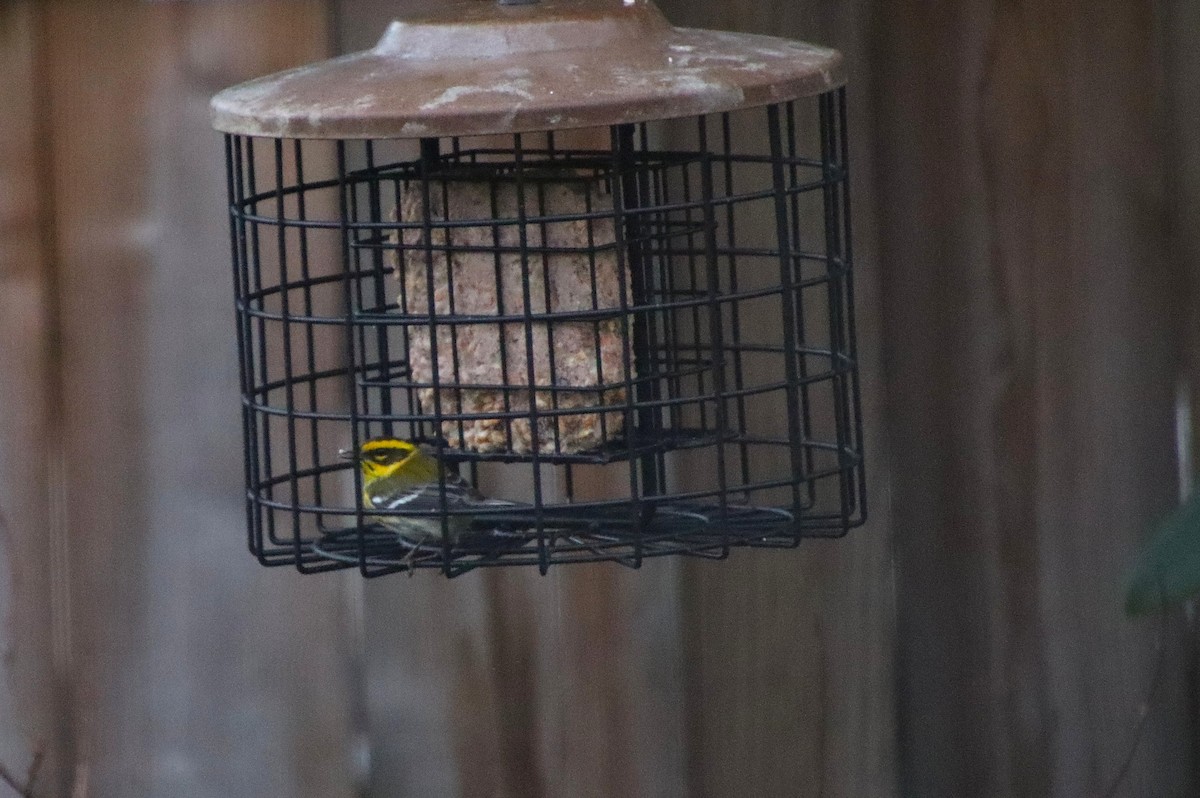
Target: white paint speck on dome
point(414, 129)
point(519, 88)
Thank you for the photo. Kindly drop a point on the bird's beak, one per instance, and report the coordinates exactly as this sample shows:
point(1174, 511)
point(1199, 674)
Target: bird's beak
point(346, 454)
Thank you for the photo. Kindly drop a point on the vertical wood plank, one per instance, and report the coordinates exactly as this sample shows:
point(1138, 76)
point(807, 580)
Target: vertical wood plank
point(1031, 387)
point(1178, 22)
point(790, 654)
point(98, 171)
point(29, 704)
point(195, 672)
point(294, 638)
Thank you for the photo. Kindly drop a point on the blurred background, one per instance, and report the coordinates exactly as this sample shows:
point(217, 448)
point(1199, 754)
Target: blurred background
point(1027, 230)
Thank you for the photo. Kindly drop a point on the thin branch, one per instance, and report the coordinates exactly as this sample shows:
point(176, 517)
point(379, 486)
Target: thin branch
point(24, 790)
point(8, 779)
point(1147, 705)
point(35, 767)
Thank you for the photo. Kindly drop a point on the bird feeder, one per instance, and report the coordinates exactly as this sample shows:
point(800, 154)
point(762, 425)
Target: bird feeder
point(596, 265)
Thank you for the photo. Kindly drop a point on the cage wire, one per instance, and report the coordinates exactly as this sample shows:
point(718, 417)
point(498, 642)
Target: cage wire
point(644, 352)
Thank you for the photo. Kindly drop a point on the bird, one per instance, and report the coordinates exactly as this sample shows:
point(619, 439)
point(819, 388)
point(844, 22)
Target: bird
point(402, 476)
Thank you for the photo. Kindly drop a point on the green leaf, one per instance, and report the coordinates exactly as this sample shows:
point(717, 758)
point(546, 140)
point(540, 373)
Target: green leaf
point(1168, 569)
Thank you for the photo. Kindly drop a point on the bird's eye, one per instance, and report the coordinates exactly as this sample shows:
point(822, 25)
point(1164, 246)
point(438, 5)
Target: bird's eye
point(380, 458)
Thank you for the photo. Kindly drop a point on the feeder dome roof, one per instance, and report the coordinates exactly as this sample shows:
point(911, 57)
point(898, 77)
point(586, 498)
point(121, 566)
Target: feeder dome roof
point(478, 67)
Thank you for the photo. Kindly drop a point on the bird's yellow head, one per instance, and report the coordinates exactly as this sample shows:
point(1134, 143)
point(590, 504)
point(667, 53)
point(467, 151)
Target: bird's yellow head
point(385, 458)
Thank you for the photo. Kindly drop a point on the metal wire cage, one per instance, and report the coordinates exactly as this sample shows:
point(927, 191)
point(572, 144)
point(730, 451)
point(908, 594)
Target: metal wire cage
point(642, 351)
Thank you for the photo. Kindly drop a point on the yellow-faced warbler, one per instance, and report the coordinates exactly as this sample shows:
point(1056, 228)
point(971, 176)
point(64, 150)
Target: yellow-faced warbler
point(401, 476)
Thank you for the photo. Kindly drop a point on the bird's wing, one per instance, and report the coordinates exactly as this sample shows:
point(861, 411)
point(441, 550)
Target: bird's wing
point(428, 498)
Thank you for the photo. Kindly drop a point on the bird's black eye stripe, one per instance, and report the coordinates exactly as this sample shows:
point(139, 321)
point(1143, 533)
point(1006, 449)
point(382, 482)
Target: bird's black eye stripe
point(384, 455)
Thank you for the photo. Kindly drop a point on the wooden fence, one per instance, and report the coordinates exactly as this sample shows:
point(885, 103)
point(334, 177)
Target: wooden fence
point(1026, 192)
